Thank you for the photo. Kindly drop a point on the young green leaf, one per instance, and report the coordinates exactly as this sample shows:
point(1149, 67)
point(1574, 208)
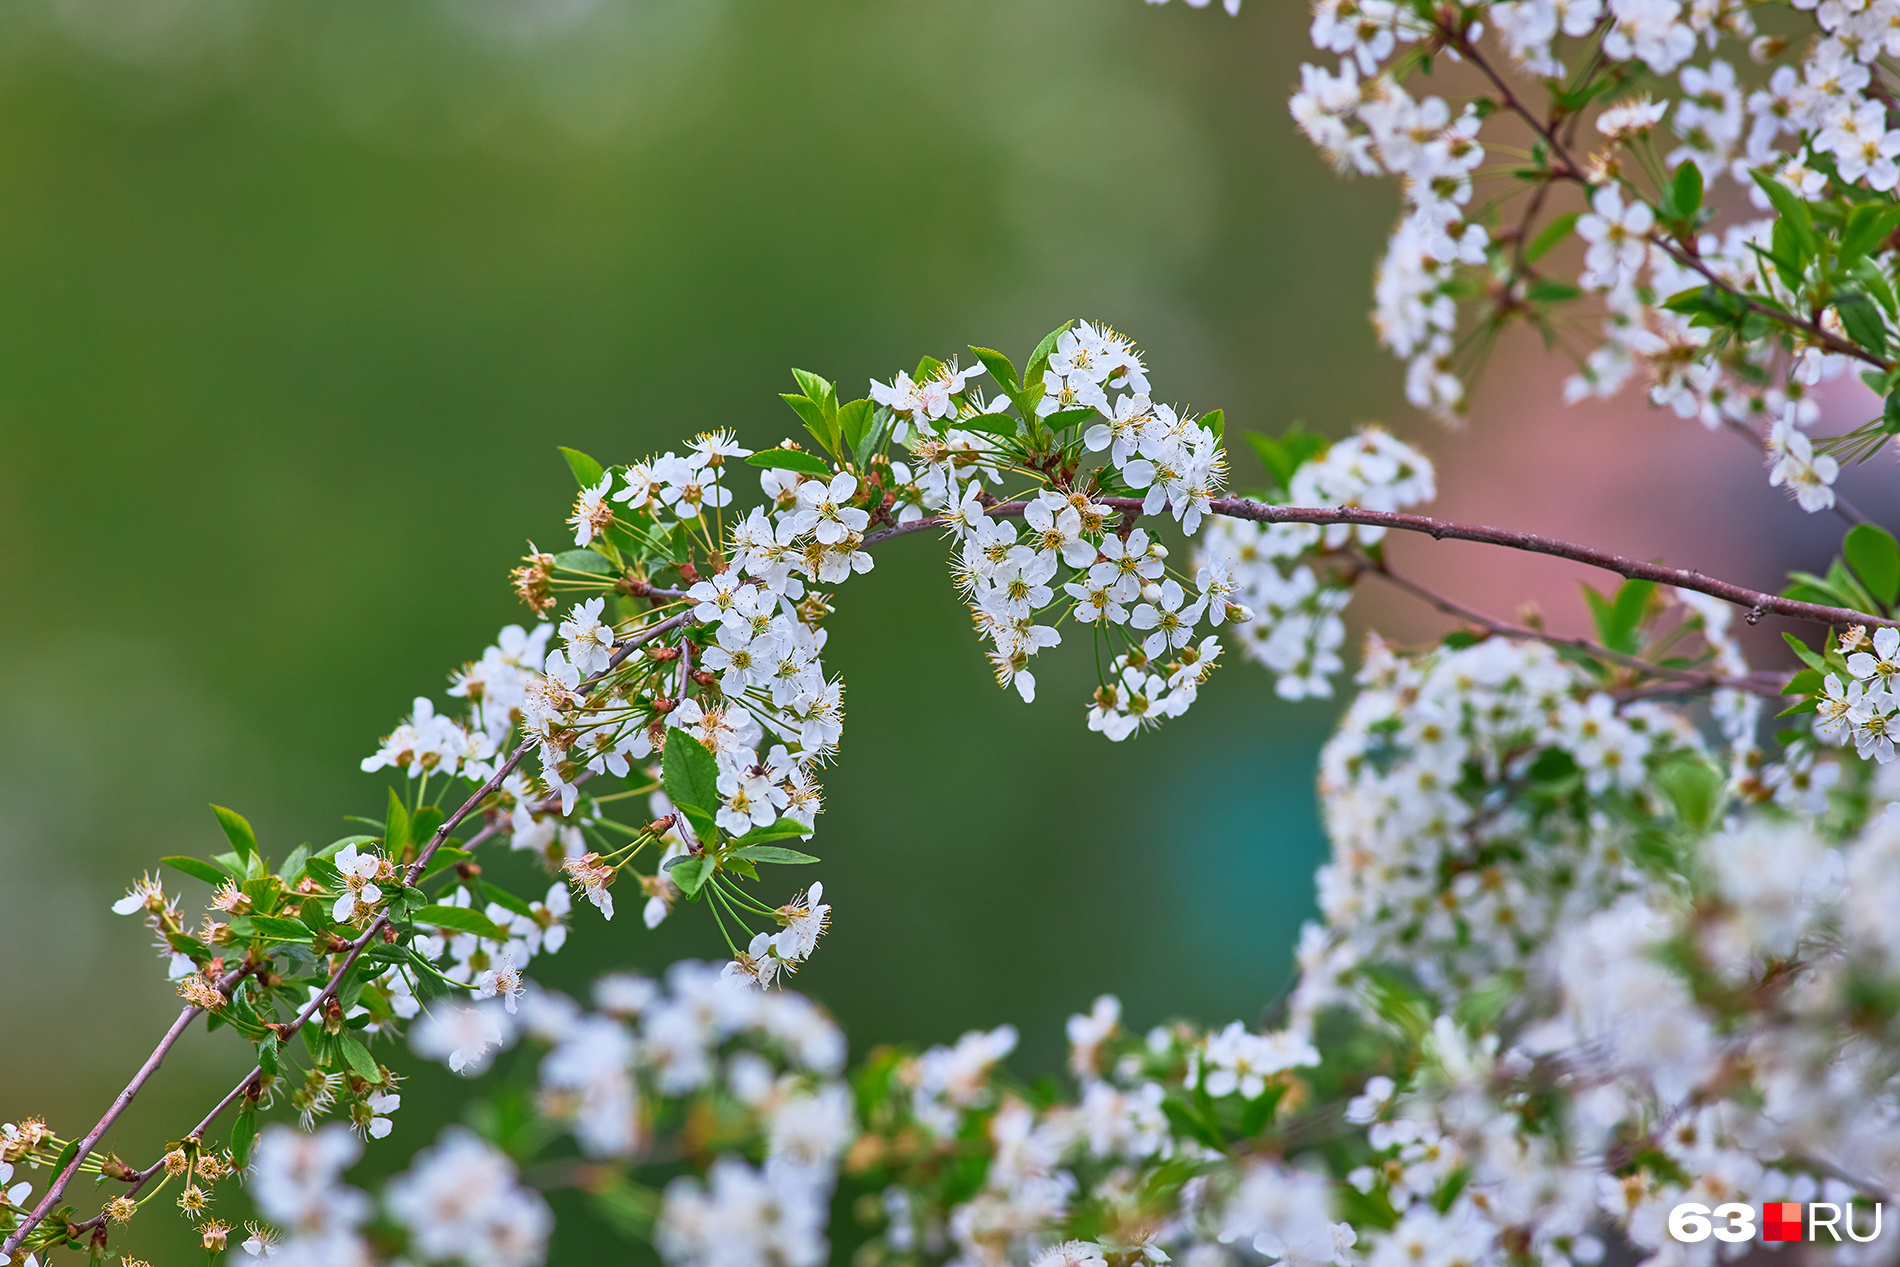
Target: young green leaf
point(396, 837)
point(1875, 557)
point(790, 460)
point(459, 919)
point(689, 873)
point(357, 1056)
point(1807, 657)
point(294, 865)
point(854, 419)
point(587, 472)
point(1001, 369)
point(783, 828)
point(508, 901)
point(237, 829)
point(243, 1135)
point(1551, 234)
point(772, 853)
point(210, 872)
point(277, 928)
point(1685, 192)
point(444, 858)
point(689, 773)
point(267, 1054)
point(588, 561)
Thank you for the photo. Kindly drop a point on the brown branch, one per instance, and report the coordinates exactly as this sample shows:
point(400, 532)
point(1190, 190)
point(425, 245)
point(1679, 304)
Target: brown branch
point(1813, 329)
point(1755, 602)
point(1457, 40)
point(1681, 680)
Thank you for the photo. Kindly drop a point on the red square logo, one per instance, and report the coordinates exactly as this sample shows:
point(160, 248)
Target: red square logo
point(1781, 1221)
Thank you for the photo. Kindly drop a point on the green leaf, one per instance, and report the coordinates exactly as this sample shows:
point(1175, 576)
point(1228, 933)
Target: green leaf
point(991, 424)
point(243, 1135)
point(210, 872)
point(429, 980)
point(1790, 211)
point(237, 829)
point(459, 919)
point(771, 853)
point(1215, 420)
point(868, 442)
point(1001, 369)
point(66, 1154)
point(587, 472)
point(1545, 291)
point(294, 865)
point(1284, 454)
point(1863, 321)
point(1804, 682)
point(822, 393)
point(186, 944)
point(690, 774)
point(277, 928)
point(1868, 225)
point(1553, 233)
point(1033, 372)
point(790, 460)
point(1039, 359)
point(690, 873)
point(444, 858)
point(508, 901)
point(780, 830)
point(1617, 619)
point(1259, 1111)
point(1695, 788)
point(336, 847)
point(396, 837)
point(1685, 192)
point(1071, 417)
point(357, 1056)
point(1875, 557)
point(1187, 1122)
point(1806, 656)
point(813, 416)
point(267, 1054)
point(854, 419)
point(583, 561)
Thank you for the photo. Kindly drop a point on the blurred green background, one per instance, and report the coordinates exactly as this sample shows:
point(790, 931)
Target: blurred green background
point(296, 300)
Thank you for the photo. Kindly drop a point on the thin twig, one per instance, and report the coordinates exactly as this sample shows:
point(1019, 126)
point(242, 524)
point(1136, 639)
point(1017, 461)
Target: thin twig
point(58, 1187)
point(1683, 679)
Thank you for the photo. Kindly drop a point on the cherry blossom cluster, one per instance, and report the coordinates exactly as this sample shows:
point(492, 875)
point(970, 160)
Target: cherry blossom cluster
point(1551, 924)
point(629, 1080)
point(461, 1201)
point(1086, 393)
point(1733, 308)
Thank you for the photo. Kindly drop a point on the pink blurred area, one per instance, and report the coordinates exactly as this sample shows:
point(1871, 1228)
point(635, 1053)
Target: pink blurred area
point(1621, 475)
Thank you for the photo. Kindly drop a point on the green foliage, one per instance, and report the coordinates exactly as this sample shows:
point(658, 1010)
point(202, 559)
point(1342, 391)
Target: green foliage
point(237, 829)
point(587, 472)
point(690, 776)
point(210, 872)
point(1283, 454)
point(1874, 556)
point(459, 919)
point(1619, 620)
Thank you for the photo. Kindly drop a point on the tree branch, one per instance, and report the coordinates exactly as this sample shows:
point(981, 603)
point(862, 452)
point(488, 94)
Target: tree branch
point(58, 1187)
point(1680, 680)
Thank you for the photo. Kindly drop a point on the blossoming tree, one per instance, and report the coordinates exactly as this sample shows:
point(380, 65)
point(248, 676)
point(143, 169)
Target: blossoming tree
point(1587, 949)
